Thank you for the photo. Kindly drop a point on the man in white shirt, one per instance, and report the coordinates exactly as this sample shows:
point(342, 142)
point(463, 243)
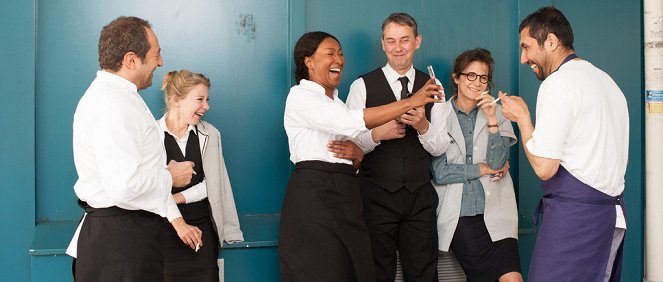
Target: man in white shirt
point(579, 149)
point(124, 184)
point(399, 201)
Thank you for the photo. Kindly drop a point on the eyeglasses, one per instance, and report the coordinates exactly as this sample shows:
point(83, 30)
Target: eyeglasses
point(473, 76)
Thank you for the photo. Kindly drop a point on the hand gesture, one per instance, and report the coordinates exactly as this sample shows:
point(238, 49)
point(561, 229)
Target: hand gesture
point(417, 119)
point(388, 131)
point(346, 150)
point(181, 172)
point(190, 235)
point(485, 102)
point(429, 93)
point(514, 108)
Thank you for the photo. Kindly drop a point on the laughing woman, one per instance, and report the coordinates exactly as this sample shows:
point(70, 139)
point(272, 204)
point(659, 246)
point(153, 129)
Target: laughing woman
point(207, 202)
point(322, 234)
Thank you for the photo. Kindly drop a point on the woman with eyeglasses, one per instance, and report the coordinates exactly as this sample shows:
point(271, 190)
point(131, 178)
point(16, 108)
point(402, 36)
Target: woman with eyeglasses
point(477, 217)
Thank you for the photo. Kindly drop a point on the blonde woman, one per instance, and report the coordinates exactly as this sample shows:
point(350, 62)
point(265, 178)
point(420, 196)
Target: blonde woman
point(207, 202)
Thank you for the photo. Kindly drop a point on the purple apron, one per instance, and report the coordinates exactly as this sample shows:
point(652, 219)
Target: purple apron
point(575, 236)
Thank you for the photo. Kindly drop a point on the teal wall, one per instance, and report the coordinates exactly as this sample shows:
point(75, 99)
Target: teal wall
point(48, 58)
point(17, 123)
point(248, 70)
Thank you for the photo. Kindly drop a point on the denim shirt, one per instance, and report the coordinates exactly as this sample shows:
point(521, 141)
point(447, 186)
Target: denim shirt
point(473, 200)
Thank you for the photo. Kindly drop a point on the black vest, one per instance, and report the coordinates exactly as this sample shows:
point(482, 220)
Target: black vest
point(400, 162)
point(195, 210)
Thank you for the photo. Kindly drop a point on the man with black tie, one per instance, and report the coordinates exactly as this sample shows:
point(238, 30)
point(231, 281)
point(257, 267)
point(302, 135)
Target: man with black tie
point(399, 201)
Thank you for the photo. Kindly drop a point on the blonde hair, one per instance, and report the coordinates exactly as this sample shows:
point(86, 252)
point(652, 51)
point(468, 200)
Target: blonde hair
point(177, 84)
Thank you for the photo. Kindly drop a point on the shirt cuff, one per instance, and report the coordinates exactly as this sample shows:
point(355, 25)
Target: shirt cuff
point(365, 141)
point(196, 193)
point(472, 172)
point(172, 211)
point(233, 236)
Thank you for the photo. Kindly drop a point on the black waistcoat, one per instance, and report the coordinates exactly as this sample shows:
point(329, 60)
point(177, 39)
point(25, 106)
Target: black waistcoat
point(400, 162)
point(192, 210)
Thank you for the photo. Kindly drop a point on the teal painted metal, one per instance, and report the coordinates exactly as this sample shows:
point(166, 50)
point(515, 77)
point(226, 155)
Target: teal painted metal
point(241, 45)
point(17, 113)
point(51, 268)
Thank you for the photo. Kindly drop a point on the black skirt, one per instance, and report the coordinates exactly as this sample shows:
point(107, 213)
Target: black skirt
point(323, 235)
point(184, 263)
point(480, 257)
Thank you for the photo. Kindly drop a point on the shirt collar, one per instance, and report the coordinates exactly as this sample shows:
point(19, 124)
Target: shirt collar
point(162, 125)
point(458, 110)
point(315, 87)
point(393, 76)
point(102, 74)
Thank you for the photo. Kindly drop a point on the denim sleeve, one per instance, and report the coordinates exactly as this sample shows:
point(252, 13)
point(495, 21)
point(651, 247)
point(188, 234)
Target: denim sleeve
point(498, 150)
point(445, 173)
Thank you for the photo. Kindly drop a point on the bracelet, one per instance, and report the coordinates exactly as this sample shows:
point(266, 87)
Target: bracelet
point(492, 125)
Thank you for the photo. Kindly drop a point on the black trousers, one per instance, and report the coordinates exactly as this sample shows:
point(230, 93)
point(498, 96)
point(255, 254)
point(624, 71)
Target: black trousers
point(120, 245)
point(322, 235)
point(184, 263)
point(404, 221)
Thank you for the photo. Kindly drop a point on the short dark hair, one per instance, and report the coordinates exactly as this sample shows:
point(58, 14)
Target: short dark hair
point(548, 20)
point(401, 19)
point(121, 36)
point(465, 59)
point(305, 47)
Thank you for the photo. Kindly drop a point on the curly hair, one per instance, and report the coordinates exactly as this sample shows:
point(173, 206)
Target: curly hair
point(305, 47)
point(119, 37)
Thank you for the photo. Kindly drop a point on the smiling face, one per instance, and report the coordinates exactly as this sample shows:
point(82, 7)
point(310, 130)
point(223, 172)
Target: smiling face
point(399, 43)
point(534, 55)
point(325, 66)
point(469, 90)
point(147, 66)
point(193, 106)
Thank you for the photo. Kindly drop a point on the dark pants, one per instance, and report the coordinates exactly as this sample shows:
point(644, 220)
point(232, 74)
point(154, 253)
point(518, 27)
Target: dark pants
point(184, 263)
point(120, 245)
point(403, 221)
point(322, 235)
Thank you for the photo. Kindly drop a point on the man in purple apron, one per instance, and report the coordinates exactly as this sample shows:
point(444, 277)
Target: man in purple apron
point(579, 149)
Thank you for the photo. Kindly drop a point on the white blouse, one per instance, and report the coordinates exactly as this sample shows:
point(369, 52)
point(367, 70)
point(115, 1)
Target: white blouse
point(312, 119)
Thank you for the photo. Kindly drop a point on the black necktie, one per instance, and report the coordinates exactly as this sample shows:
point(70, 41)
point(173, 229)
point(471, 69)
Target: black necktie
point(404, 92)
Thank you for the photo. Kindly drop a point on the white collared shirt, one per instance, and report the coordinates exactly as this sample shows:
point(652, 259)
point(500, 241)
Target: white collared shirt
point(434, 141)
point(198, 192)
point(312, 119)
point(118, 150)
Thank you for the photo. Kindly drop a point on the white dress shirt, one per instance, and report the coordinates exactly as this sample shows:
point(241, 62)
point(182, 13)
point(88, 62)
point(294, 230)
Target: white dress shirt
point(434, 141)
point(312, 119)
point(582, 120)
point(195, 193)
point(118, 151)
